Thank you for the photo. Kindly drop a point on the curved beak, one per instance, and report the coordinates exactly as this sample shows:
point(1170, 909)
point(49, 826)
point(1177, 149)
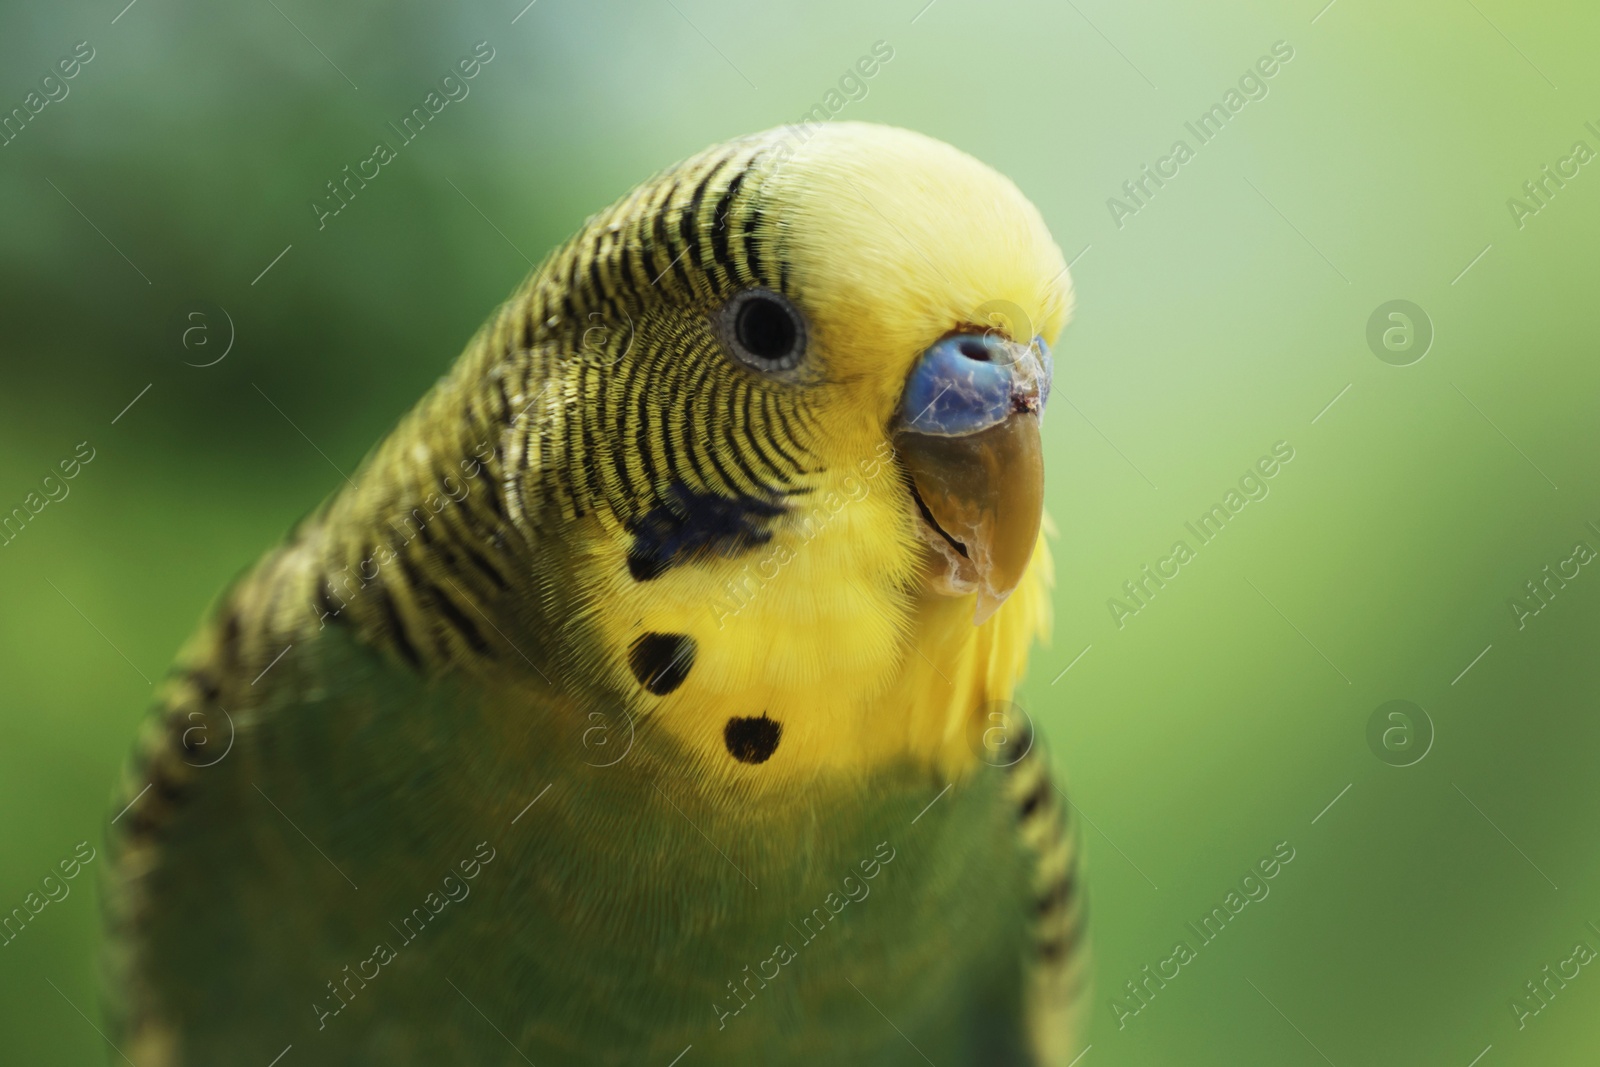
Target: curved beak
point(968, 432)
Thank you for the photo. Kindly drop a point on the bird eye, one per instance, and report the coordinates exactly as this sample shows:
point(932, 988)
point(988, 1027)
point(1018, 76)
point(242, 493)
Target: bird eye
point(764, 330)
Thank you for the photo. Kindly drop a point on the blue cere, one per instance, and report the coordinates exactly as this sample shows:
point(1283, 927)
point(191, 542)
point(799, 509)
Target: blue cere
point(971, 381)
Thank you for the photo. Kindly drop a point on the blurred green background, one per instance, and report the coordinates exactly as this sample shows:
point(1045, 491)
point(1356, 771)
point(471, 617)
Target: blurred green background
point(1219, 319)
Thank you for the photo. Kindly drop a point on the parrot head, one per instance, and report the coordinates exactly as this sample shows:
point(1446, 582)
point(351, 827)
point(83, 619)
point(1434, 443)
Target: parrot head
point(800, 389)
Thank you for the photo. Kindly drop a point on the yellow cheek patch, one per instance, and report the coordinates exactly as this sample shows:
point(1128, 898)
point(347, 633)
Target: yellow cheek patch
point(813, 652)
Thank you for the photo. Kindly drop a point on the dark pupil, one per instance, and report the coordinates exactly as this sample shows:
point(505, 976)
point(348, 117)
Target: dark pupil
point(765, 329)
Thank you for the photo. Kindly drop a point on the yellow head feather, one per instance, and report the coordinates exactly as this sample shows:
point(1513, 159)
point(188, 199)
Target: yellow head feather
point(893, 241)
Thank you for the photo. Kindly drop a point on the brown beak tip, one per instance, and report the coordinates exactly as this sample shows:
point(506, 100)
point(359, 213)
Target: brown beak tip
point(980, 500)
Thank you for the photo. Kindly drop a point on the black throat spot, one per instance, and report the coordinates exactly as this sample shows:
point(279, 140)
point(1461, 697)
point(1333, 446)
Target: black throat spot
point(690, 524)
point(661, 662)
point(752, 740)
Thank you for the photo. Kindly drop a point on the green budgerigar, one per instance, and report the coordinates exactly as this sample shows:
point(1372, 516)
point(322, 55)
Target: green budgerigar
point(645, 698)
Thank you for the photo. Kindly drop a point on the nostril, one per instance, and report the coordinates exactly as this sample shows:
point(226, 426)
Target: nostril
point(974, 349)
